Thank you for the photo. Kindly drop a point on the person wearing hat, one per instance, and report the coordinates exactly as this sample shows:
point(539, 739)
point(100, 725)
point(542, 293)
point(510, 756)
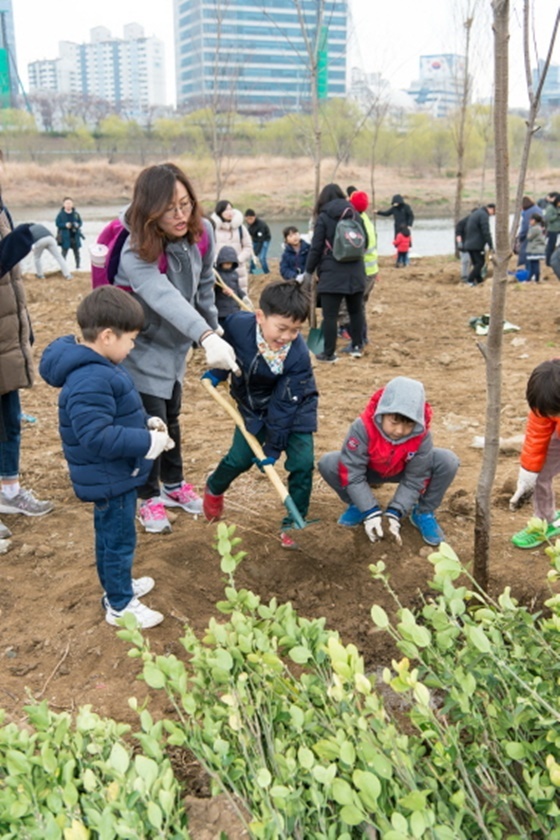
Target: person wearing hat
point(360, 201)
point(400, 211)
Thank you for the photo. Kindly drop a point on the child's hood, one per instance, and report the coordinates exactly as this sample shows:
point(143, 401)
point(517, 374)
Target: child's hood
point(403, 396)
point(227, 254)
point(63, 356)
point(397, 199)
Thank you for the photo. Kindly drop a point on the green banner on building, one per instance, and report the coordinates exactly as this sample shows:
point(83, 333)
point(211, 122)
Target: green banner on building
point(5, 90)
point(322, 66)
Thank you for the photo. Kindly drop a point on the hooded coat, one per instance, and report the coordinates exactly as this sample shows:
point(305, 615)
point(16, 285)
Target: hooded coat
point(366, 447)
point(102, 421)
point(236, 235)
point(225, 304)
point(16, 363)
point(401, 212)
point(477, 231)
point(335, 277)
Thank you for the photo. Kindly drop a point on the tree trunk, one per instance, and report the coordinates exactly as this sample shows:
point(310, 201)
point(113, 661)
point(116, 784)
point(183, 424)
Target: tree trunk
point(492, 351)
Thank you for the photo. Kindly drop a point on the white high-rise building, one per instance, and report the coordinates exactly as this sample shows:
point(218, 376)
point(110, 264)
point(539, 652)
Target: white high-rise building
point(128, 72)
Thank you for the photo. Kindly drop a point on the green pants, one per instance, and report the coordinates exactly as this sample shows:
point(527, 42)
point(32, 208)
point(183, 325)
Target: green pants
point(299, 465)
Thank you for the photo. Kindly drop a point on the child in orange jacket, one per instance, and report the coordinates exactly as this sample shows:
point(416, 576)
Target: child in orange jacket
point(540, 454)
point(402, 243)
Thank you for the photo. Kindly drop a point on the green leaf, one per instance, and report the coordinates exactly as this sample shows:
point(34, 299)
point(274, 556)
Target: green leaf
point(342, 792)
point(306, 758)
point(146, 768)
point(352, 815)
point(154, 815)
point(348, 753)
point(379, 617)
point(516, 750)
point(119, 758)
point(478, 638)
point(299, 654)
point(279, 792)
point(414, 801)
point(17, 763)
point(263, 777)
point(153, 676)
point(417, 824)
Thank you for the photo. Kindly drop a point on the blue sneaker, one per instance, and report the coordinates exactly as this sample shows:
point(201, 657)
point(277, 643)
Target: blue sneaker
point(428, 526)
point(351, 517)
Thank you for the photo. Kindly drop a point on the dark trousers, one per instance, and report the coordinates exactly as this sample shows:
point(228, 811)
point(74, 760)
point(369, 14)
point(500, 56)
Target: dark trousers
point(551, 239)
point(115, 543)
point(10, 434)
point(533, 267)
point(299, 465)
point(76, 252)
point(169, 466)
point(330, 304)
point(477, 259)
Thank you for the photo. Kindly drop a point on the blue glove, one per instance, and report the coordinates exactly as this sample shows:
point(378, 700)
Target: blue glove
point(264, 462)
point(212, 377)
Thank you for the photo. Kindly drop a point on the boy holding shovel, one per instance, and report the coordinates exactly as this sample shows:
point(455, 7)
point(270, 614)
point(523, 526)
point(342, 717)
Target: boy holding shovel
point(276, 395)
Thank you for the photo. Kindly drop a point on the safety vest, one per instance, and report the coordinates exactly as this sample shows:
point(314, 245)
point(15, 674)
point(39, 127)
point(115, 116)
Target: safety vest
point(370, 256)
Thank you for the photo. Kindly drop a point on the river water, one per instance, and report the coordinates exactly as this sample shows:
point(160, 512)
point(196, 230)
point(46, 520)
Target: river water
point(430, 237)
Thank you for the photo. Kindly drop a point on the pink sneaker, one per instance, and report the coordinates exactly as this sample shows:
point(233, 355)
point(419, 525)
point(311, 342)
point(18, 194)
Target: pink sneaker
point(184, 497)
point(151, 514)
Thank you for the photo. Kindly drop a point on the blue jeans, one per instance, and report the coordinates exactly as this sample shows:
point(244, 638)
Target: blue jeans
point(10, 434)
point(402, 258)
point(115, 543)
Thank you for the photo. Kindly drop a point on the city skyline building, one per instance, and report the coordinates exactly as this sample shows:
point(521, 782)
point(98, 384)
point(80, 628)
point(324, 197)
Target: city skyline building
point(439, 88)
point(550, 97)
point(128, 72)
point(9, 79)
point(252, 58)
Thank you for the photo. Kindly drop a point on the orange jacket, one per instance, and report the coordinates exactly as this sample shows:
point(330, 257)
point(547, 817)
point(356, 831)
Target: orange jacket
point(537, 438)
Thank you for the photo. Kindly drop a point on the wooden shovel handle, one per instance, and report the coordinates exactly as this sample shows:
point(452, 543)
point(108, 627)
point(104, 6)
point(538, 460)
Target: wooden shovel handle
point(232, 294)
point(251, 439)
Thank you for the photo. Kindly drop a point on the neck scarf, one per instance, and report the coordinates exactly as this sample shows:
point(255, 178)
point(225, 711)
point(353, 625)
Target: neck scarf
point(274, 358)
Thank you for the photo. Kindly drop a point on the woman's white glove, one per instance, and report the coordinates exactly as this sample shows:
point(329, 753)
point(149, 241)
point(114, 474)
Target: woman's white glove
point(219, 354)
point(157, 424)
point(373, 526)
point(526, 481)
point(160, 443)
point(394, 525)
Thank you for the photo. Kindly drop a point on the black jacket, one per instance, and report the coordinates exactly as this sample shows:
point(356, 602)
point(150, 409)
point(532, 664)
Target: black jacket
point(259, 232)
point(477, 231)
point(401, 212)
point(334, 277)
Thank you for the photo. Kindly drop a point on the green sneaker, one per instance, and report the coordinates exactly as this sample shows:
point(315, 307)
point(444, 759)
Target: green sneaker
point(528, 538)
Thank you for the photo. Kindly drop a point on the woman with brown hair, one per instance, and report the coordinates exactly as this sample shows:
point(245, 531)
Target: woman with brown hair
point(168, 233)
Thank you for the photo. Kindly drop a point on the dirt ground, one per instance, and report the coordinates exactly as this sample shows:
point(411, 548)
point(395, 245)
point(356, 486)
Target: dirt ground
point(54, 642)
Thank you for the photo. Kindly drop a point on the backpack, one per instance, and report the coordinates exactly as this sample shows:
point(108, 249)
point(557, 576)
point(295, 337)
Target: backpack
point(106, 253)
point(349, 241)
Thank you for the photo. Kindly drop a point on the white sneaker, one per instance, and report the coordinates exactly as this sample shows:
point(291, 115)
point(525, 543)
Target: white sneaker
point(144, 615)
point(25, 502)
point(140, 587)
point(153, 517)
point(4, 531)
point(184, 497)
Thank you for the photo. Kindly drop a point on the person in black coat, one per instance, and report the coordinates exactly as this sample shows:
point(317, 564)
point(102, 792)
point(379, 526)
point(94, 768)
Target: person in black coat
point(477, 237)
point(400, 211)
point(260, 234)
point(337, 280)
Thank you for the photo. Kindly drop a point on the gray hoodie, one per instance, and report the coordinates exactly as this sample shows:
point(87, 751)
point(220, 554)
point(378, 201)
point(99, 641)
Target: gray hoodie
point(178, 308)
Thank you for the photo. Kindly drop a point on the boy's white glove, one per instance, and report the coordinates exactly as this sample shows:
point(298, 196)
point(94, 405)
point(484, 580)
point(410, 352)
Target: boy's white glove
point(526, 481)
point(373, 526)
point(219, 354)
point(157, 424)
point(160, 443)
point(394, 525)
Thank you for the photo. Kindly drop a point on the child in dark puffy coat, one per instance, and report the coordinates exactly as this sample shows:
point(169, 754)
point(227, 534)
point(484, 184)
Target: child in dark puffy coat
point(226, 266)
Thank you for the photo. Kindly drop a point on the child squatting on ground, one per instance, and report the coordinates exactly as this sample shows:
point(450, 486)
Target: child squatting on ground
point(276, 395)
point(391, 442)
point(108, 439)
point(540, 454)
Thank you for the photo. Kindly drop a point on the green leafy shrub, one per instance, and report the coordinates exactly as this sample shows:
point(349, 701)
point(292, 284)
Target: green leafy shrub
point(76, 780)
point(284, 719)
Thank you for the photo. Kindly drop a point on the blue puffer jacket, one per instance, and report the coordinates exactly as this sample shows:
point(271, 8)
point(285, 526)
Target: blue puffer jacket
point(102, 420)
point(293, 262)
point(281, 403)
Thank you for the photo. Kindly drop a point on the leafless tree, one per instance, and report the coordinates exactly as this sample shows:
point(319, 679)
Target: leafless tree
point(492, 350)
point(534, 104)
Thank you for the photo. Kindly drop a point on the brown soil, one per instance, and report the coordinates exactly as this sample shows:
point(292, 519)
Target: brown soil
point(54, 642)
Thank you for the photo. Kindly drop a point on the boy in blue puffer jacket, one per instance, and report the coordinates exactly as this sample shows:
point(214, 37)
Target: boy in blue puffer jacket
point(107, 438)
point(276, 395)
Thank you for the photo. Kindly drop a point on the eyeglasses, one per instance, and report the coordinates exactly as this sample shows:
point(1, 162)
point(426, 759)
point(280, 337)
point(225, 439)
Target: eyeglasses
point(181, 209)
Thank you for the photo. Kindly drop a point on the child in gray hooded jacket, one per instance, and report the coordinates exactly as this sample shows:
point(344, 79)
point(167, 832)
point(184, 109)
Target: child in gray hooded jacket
point(391, 442)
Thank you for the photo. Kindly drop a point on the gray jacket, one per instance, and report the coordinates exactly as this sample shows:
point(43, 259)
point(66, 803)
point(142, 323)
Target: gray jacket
point(178, 308)
point(412, 462)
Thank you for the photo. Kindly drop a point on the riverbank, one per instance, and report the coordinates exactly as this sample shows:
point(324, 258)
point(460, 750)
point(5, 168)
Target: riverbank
point(276, 187)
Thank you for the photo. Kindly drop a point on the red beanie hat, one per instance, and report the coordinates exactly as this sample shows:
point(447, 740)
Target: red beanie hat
point(360, 200)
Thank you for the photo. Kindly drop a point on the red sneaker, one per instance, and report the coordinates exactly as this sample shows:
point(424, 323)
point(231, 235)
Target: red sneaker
point(213, 506)
point(288, 542)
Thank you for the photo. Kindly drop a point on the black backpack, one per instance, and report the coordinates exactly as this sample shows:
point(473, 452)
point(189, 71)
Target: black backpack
point(350, 240)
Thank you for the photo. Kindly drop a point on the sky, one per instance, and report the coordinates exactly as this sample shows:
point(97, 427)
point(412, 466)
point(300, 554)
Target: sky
point(382, 36)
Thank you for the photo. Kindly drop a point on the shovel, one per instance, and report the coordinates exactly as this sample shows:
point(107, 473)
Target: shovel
point(315, 339)
point(275, 479)
point(239, 302)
